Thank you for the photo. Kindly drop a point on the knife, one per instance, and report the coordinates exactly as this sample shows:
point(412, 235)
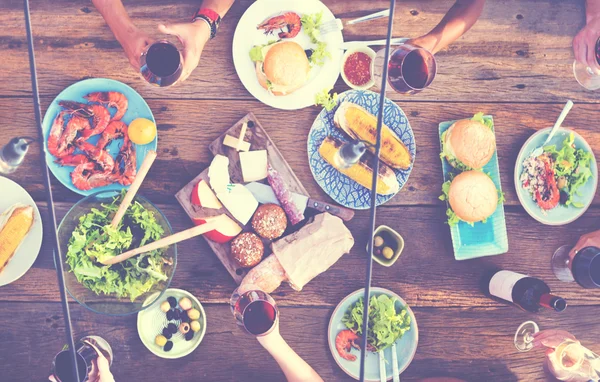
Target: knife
point(264, 194)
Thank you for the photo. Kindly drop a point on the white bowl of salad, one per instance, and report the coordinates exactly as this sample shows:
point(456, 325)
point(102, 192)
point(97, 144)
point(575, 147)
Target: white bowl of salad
point(558, 186)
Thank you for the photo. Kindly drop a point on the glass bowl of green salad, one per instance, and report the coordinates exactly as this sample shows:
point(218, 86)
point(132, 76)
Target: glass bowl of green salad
point(86, 237)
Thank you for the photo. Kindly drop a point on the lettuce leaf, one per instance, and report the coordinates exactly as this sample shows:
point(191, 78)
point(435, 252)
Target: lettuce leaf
point(326, 100)
point(386, 323)
point(257, 51)
point(479, 117)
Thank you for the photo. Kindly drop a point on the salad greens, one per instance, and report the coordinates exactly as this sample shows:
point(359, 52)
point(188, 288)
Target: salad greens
point(312, 24)
point(446, 153)
point(326, 100)
point(572, 164)
point(386, 324)
point(94, 240)
point(257, 52)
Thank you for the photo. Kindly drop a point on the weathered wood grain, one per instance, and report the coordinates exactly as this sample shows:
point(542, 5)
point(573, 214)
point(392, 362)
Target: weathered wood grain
point(426, 275)
point(517, 51)
point(186, 129)
point(476, 346)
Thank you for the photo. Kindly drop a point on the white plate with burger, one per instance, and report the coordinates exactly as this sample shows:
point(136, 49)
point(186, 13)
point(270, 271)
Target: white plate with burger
point(281, 60)
point(20, 231)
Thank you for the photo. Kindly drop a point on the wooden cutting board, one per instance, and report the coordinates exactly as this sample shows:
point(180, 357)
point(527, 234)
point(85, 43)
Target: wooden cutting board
point(259, 140)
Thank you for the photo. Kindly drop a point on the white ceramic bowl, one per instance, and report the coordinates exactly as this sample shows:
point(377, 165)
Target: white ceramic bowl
point(369, 52)
point(151, 321)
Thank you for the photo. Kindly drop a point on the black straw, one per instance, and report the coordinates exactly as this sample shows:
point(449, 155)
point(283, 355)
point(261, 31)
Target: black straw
point(50, 200)
point(365, 328)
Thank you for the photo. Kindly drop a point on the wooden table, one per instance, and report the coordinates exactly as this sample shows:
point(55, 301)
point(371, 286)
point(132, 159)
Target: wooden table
point(514, 64)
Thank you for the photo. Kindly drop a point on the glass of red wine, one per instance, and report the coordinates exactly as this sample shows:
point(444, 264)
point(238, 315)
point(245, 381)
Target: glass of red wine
point(87, 351)
point(410, 68)
point(583, 268)
point(161, 64)
point(255, 311)
point(585, 75)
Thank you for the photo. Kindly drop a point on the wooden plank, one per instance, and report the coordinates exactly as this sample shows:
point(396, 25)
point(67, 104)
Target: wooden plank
point(518, 51)
point(471, 344)
point(426, 274)
point(186, 129)
point(259, 140)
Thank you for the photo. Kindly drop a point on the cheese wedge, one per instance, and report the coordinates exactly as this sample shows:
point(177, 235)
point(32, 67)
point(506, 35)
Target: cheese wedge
point(361, 172)
point(218, 173)
point(233, 142)
point(254, 165)
point(239, 201)
point(15, 224)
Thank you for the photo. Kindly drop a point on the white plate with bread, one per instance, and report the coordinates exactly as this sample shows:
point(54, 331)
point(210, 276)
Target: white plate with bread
point(285, 77)
point(20, 231)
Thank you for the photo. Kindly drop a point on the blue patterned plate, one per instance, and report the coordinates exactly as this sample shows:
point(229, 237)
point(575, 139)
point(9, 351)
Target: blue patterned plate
point(137, 108)
point(480, 239)
point(338, 186)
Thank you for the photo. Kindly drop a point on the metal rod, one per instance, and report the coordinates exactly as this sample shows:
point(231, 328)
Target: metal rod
point(50, 200)
point(365, 328)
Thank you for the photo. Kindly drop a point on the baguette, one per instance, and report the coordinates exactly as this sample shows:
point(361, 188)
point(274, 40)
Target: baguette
point(361, 172)
point(15, 224)
point(359, 124)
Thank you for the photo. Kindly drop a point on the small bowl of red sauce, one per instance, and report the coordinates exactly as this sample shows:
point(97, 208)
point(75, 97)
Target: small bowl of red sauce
point(357, 68)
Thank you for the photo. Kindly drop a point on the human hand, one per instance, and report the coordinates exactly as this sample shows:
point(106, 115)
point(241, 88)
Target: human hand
point(134, 42)
point(271, 339)
point(193, 37)
point(591, 239)
point(100, 371)
point(584, 44)
point(428, 42)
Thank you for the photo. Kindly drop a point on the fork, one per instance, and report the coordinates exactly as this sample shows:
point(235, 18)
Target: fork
point(540, 150)
point(336, 25)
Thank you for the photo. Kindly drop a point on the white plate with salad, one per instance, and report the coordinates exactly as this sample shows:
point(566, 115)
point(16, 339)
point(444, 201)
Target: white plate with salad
point(557, 187)
point(393, 322)
point(323, 51)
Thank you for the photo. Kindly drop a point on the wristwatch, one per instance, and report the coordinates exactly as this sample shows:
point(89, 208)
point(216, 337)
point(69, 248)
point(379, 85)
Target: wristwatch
point(209, 16)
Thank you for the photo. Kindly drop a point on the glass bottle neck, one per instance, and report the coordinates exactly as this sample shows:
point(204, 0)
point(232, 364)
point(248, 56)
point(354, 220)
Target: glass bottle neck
point(550, 301)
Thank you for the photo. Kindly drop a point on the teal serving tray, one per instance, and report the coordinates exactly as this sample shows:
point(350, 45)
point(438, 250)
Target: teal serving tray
point(481, 239)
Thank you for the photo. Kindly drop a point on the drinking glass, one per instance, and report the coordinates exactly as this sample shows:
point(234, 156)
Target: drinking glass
point(410, 68)
point(585, 75)
point(569, 360)
point(254, 310)
point(161, 64)
point(584, 268)
point(87, 351)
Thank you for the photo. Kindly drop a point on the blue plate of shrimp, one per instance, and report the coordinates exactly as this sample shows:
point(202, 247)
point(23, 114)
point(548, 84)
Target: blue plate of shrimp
point(85, 135)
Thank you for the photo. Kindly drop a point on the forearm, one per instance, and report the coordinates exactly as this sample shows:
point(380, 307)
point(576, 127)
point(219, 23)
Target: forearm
point(592, 9)
point(219, 6)
point(459, 19)
point(294, 367)
point(116, 18)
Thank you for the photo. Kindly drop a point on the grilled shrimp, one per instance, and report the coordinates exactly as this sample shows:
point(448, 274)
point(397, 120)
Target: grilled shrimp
point(115, 130)
point(289, 20)
point(111, 99)
point(54, 138)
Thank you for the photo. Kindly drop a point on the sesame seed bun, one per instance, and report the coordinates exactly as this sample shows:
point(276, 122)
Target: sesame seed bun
point(286, 67)
point(470, 143)
point(473, 196)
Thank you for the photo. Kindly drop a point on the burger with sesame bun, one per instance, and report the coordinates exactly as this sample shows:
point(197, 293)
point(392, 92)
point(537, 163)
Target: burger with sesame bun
point(469, 143)
point(472, 196)
point(281, 67)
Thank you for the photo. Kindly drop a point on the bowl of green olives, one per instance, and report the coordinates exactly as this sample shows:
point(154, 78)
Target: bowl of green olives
point(387, 246)
point(173, 326)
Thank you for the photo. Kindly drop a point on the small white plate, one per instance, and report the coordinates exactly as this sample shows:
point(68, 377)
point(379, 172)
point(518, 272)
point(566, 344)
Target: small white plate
point(246, 36)
point(30, 247)
point(151, 321)
point(369, 52)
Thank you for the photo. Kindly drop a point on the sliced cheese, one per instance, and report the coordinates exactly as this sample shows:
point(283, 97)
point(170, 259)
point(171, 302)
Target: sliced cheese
point(254, 165)
point(233, 143)
point(242, 135)
point(239, 201)
point(218, 173)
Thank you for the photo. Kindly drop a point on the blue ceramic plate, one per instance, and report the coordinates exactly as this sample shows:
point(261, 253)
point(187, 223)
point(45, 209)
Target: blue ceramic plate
point(406, 346)
point(338, 186)
point(481, 239)
point(138, 108)
point(561, 214)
